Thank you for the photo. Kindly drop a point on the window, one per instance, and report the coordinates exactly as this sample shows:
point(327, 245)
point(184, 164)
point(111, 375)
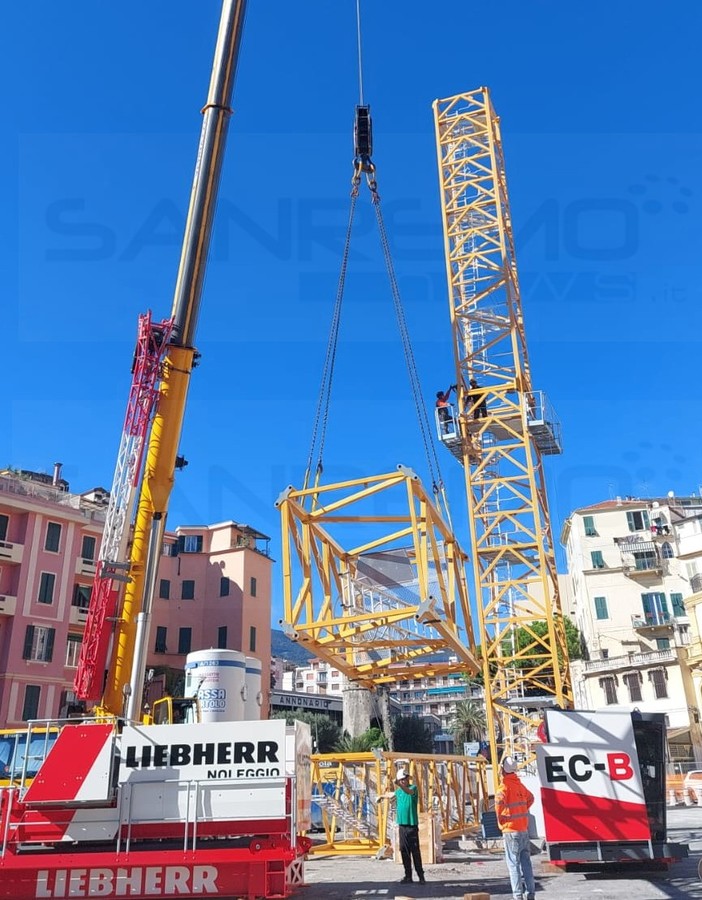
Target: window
point(161, 634)
point(601, 608)
point(637, 520)
point(252, 587)
point(73, 650)
point(604, 653)
point(667, 551)
point(222, 637)
point(188, 592)
point(632, 680)
point(46, 587)
point(252, 639)
point(170, 549)
point(53, 537)
point(678, 605)
point(609, 687)
point(185, 636)
point(589, 526)
point(87, 551)
point(38, 643)
point(223, 587)
point(190, 543)
point(659, 525)
point(645, 560)
point(655, 608)
point(81, 596)
point(164, 589)
point(30, 707)
point(597, 561)
point(662, 643)
point(4, 522)
point(658, 679)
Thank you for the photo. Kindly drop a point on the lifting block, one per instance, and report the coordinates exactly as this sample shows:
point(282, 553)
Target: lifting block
point(480, 896)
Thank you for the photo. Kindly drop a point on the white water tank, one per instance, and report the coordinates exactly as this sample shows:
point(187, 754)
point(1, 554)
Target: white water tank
point(217, 678)
point(253, 695)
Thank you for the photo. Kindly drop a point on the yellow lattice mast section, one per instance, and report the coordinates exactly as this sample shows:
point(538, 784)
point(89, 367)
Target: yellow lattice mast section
point(375, 595)
point(503, 428)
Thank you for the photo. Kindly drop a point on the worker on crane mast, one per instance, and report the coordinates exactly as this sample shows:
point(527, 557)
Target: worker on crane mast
point(444, 407)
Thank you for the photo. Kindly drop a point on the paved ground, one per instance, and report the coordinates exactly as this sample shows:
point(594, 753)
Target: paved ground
point(342, 878)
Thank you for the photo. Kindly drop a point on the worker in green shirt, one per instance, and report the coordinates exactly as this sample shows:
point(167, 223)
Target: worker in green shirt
point(406, 799)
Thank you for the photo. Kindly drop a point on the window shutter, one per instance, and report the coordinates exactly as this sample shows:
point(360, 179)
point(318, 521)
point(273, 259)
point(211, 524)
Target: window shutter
point(664, 604)
point(198, 544)
point(28, 641)
point(49, 654)
point(180, 544)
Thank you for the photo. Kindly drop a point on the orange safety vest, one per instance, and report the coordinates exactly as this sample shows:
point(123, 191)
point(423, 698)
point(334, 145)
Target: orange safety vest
point(512, 803)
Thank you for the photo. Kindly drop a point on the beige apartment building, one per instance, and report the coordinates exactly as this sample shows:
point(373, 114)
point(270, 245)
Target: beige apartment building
point(630, 562)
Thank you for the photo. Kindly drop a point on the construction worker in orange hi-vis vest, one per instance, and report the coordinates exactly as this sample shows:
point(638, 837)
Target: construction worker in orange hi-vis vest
point(512, 802)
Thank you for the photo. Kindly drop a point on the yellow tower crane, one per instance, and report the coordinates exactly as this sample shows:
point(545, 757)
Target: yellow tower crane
point(500, 429)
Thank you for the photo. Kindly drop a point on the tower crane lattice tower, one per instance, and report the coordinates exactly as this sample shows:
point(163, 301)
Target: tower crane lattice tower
point(503, 429)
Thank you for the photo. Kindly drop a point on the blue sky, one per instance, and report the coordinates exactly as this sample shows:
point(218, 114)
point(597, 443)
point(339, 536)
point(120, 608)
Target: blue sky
point(600, 122)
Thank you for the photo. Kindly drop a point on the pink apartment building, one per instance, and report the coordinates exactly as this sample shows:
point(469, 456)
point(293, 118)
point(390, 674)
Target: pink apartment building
point(214, 590)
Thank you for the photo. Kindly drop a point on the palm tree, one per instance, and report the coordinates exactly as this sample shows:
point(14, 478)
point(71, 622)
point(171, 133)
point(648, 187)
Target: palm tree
point(362, 743)
point(468, 722)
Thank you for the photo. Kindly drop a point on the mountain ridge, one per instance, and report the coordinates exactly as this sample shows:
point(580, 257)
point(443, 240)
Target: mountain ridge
point(283, 648)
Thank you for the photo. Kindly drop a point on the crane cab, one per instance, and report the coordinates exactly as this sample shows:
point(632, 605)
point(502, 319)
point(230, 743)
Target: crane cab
point(176, 711)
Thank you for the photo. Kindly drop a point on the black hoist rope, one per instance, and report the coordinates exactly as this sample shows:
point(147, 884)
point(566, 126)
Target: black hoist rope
point(321, 418)
point(416, 388)
point(363, 164)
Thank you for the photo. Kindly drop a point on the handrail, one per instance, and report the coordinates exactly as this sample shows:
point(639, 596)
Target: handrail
point(191, 818)
point(5, 815)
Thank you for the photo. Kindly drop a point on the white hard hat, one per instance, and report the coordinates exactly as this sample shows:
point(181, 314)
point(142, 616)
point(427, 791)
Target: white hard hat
point(401, 773)
point(509, 765)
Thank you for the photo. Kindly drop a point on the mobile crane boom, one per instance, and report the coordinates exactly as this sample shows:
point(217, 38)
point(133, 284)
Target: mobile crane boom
point(125, 675)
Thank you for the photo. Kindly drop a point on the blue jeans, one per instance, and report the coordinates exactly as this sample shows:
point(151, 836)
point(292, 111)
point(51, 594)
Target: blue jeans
point(519, 862)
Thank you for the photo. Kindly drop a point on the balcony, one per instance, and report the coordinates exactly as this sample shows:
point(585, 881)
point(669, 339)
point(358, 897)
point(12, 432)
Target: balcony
point(11, 553)
point(633, 661)
point(8, 605)
point(86, 567)
point(639, 558)
point(652, 621)
point(78, 615)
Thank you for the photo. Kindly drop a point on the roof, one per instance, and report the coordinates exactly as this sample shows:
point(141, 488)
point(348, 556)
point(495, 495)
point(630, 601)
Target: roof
point(676, 505)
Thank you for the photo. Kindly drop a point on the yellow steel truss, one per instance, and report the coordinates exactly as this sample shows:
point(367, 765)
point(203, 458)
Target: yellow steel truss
point(503, 433)
point(345, 787)
point(377, 609)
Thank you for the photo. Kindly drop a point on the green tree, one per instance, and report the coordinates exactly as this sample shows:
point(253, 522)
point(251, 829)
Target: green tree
point(325, 732)
point(411, 735)
point(524, 638)
point(468, 722)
